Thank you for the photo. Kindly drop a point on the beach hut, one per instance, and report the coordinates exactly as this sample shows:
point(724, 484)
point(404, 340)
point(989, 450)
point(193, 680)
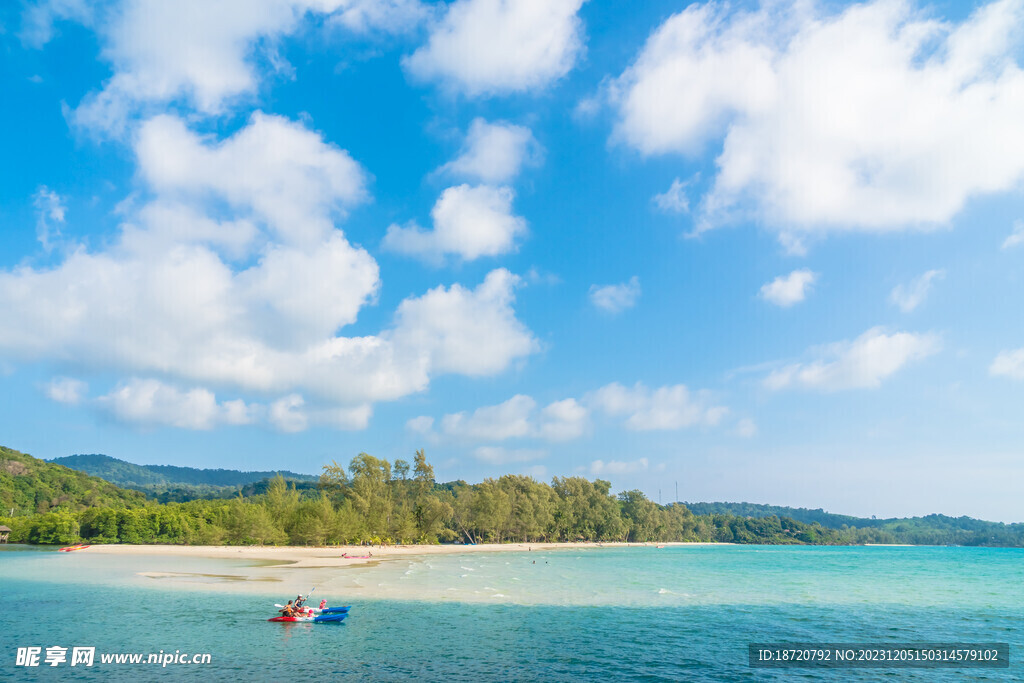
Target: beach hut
point(4, 533)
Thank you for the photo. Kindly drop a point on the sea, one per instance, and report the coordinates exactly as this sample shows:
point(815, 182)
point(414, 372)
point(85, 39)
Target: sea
point(675, 613)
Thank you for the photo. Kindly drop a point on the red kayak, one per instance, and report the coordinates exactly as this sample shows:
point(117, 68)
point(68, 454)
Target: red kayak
point(316, 619)
point(70, 548)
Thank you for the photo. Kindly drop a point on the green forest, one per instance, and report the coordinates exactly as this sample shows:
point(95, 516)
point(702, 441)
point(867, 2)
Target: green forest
point(373, 501)
point(170, 484)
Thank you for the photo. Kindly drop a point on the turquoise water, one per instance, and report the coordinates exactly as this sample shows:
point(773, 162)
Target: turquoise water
point(624, 614)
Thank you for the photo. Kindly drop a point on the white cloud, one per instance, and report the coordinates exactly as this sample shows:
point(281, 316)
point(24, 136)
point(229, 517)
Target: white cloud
point(909, 296)
point(517, 417)
point(746, 428)
point(389, 16)
point(420, 425)
point(1008, 364)
point(875, 118)
point(616, 298)
point(286, 414)
point(469, 222)
point(152, 403)
point(66, 390)
point(1016, 237)
point(600, 467)
point(469, 332)
point(488, 47)
point(38, 19)
point(50, 210)
point(493, 423)
point(244, 303)
point(208, 54)
point(674, 199)
point(563, 420)
point(495, 152)
point(786, 290)
point(497, 455)
point(290, 414)
point(859, 364)
point(274, 170)
point(667, 407)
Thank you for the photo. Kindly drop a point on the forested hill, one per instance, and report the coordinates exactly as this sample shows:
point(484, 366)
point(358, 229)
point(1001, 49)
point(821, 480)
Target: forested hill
point(29, 485)
point(131, 475)
point(927, 530)
point(805, 515)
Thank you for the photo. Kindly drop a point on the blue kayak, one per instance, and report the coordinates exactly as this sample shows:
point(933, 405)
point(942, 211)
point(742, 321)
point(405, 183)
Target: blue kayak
point(316, 619)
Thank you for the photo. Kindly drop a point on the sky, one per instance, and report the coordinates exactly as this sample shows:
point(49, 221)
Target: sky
point(768, 252)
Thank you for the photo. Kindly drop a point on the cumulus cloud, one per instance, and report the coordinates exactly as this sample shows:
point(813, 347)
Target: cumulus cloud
point(1016, 237)
point(495, 152)
point(600, 467)
point(50, 212)
point(786, 290)
point(209, 54)
point(489, 47)
point(643, 409)
point(517, 417)
point(66, 390)
point(1008, 364)
point(207, 284)
point(563, 420)
point(463, 331)
point(872, 118)
point(498, 455)
point(273, 169)
point(616, 298)
point(859, 364)
point(291, 414)
point(910, 295)
point(150, 402)
point(664, 408)
point(674, 199)
point(469, 222)
point(493, 423)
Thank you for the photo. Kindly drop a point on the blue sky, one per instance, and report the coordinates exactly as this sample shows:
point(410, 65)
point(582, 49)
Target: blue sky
point(768, 251)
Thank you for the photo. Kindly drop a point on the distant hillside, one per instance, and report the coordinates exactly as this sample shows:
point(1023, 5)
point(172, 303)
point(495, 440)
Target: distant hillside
point(30, 485)
point(805, 515)
point(927, 530)
point(125, 473)
point(169, 483)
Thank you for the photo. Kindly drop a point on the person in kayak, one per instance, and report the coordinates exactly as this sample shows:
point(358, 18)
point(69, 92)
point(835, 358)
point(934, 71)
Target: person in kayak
point(288, 610)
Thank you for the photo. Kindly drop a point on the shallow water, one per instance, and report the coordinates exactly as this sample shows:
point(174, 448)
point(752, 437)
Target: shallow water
point(633, 614)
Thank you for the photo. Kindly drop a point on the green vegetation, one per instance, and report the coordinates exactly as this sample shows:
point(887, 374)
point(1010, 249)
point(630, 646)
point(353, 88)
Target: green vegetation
point(927, 530)
point(32, 486)
point(172, 484)
point(375, 501)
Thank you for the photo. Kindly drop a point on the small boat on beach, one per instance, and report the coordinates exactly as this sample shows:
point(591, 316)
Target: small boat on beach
point(72, 548)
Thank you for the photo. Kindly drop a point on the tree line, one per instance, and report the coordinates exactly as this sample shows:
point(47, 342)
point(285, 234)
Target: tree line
point(373, 501)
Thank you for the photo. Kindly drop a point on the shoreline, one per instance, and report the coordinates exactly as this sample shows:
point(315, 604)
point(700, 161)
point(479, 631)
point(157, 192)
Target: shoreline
point(309, 557)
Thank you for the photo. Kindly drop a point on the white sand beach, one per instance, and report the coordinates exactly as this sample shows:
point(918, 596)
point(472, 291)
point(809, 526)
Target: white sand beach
point(297, 557)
